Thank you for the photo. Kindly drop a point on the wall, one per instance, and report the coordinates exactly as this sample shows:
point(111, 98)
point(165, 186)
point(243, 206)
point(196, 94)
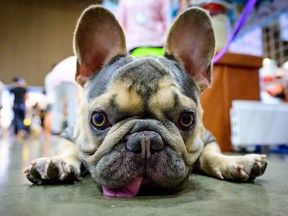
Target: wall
point(35, 34)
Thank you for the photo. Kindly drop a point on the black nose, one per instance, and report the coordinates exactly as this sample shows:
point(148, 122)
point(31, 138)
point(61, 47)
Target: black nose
point(144, 143)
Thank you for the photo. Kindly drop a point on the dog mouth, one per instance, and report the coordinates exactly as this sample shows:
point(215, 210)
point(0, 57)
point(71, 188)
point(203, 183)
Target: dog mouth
point(141, 159)
point(128, 191)
point(123, 174)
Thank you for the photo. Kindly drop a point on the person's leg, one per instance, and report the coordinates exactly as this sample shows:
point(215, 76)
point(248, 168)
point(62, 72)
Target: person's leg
point(22, 129)
point(15, 120)
point(72, 100)
point(47, 121)
point(57, 112)
point(21, 114)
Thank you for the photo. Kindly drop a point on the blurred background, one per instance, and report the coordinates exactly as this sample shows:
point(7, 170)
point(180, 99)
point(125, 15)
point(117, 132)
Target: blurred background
point(36, 37)
point(245, 108)
point(37, 34)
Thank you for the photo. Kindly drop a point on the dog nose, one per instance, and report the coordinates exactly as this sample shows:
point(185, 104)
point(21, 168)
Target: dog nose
point(144, 143)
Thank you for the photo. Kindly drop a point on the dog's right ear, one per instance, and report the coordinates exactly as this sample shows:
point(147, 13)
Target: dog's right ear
point(97, 39)
point(191, 41)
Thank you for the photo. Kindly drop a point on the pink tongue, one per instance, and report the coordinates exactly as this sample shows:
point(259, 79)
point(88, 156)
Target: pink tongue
point(128, 191)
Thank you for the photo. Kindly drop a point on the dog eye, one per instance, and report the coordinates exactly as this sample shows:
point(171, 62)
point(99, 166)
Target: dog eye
point(99, 120)
point(185, 121)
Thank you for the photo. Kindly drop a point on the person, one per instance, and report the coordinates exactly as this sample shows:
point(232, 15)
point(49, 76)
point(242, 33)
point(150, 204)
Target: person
point(19, 106)
point(49, 99)
point(145, 24)
point(62, 89)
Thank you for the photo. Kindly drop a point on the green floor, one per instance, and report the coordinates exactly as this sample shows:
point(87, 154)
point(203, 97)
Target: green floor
point(268, 195)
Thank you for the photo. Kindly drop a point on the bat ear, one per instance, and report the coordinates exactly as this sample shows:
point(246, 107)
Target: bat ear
point(191, 41)
point(98, 38)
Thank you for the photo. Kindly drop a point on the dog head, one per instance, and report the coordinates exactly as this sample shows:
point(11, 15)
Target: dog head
point(140, 119)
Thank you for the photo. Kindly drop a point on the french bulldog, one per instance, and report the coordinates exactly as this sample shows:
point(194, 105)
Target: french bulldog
point(139, 122)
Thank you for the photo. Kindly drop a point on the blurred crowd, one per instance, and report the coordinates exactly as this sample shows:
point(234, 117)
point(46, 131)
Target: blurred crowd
point(36, 111)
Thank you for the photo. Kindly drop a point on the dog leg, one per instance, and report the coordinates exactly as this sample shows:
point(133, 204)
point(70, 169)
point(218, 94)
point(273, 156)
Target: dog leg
point(234, 168)
point(62, 168)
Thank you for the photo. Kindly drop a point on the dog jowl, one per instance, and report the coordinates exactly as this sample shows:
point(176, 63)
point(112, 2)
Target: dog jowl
point(139, 122)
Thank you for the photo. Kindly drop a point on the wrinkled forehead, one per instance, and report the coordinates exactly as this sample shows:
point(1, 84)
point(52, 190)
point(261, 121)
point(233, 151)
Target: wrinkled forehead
point(143, 75)
point(142, 72)
point(154, 67)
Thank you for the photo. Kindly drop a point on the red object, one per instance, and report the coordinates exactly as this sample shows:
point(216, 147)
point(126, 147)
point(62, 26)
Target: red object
point(275, 89)
point(268, 79)
point(214, 8)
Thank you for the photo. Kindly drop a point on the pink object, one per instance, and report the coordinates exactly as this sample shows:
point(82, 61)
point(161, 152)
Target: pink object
point(145, 22)
point(128, 191)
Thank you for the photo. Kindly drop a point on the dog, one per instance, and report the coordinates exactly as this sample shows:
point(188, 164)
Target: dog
point(139, 122)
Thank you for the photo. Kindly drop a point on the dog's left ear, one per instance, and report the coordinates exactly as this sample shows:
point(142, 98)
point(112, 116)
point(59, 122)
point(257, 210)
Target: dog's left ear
point(97, 39)
point(191, 41)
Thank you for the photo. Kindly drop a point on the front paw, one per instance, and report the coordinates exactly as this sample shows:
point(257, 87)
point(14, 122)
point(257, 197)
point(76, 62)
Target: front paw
point(242, 168)
point(52, 171)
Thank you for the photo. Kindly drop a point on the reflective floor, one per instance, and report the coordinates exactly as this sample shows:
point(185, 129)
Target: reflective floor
point(268, 195)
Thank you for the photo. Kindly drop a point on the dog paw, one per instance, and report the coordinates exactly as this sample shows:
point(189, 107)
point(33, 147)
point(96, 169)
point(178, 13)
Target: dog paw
point(242, 168)
point(52, 171)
